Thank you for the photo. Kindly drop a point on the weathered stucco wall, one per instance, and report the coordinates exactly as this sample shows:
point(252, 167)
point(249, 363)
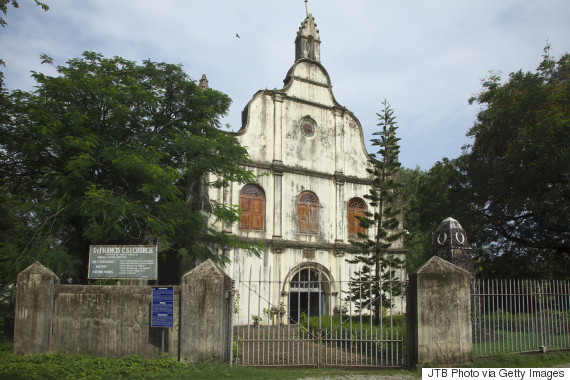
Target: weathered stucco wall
point(439, 315)
point(116, 320)
point(110, 321)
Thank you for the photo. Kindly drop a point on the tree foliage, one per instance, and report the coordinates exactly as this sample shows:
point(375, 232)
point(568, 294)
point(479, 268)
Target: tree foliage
point(430, 197)
point(510, 189)
point(410, 179)
point(519, 167)
point(112, 152)
point(378, 266)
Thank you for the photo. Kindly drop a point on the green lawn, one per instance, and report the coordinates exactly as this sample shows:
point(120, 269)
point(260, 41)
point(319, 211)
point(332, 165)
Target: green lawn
point(530, 360)
point(498, 341)
point(66, 366)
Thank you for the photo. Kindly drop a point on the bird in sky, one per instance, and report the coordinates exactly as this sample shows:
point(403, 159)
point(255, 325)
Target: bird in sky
point(237, 35)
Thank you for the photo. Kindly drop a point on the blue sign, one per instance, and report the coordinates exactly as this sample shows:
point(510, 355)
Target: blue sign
point(162, 307)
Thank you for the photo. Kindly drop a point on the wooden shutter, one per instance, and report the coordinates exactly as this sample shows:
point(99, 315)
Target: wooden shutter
point(308, 213)
point(356, 207)
point(245, 217)
point(257, 214)
point(252, 203)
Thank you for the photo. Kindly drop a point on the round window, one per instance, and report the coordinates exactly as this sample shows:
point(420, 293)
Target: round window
point(308, 127)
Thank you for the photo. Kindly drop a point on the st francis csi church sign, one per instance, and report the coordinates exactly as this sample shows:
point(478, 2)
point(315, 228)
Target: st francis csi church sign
point(123, 261)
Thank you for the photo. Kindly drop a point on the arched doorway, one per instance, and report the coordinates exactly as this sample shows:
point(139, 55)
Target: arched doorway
point(309, 292)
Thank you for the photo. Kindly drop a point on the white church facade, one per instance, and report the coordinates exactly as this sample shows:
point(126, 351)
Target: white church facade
point(310, 159)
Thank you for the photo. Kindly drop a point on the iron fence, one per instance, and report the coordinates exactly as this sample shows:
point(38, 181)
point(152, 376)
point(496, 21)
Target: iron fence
point(520, 316)
point(309, 319)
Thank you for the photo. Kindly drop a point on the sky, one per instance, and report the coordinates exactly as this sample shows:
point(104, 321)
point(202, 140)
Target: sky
point(427, 58)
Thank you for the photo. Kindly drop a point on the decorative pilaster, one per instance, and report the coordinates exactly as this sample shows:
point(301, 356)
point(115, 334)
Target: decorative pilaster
point(339, 140)
point(278, 127)
point(278, 199)
point(339, 210)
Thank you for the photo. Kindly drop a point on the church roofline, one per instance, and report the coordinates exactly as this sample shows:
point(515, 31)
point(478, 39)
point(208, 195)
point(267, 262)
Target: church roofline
point(289, 76)
point(308, 28)
point(283, 95)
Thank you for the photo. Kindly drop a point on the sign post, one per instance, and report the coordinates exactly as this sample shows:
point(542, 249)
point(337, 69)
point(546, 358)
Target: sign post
point(162, 309)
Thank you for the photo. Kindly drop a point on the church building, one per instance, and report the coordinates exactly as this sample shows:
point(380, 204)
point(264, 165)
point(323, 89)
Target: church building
point(309, 156)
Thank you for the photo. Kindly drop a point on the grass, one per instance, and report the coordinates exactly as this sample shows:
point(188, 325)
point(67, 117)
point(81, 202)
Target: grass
point(333, 328)
point(66, 366)
point(385, 342)
point(509, 341)
point(326, 322)
point(532, 360)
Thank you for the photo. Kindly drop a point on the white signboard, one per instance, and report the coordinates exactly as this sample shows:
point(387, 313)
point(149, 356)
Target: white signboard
point(123, 261)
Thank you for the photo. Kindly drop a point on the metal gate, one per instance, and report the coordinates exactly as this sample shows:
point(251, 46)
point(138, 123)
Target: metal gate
point(520, 316)
point(309, 319)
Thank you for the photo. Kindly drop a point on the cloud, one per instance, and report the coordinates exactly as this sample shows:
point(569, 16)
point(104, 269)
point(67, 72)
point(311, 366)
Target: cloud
point(426, 58)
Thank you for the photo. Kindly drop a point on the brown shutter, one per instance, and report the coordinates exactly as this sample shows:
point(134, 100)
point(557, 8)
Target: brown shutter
point(252, 203)
point(308, 213)
point(244, 220)
point(356, 207)
point(352, 223)
point(313, 219)
point(257, 214)
point(303, 215)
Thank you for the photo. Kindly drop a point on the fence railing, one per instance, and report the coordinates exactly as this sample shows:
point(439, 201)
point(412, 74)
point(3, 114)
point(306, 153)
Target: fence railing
point(312, 320)
point(520, 316)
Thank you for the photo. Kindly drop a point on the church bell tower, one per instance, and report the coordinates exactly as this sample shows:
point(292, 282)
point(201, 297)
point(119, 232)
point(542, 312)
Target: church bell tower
point(308, 42)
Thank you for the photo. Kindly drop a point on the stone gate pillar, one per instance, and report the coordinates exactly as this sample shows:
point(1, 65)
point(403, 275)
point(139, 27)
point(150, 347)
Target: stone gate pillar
point(34, 309)
point(205, 314)
point(439, 315)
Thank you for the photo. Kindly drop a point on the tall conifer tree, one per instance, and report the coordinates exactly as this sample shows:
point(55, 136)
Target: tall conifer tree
point(382, 223)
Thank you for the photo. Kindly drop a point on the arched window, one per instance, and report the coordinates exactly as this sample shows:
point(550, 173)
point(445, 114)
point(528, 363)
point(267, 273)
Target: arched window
point(308, 213)
point(356, 207)
point(310, 47)
point(309, 289)
point(306, 294)
point(252, 204)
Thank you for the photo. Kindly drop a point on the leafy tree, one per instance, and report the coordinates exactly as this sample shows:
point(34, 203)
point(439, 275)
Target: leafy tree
point(436, 194)
point(519, 170)
point(112, 152)
point(378, 266)
point(510, 189)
